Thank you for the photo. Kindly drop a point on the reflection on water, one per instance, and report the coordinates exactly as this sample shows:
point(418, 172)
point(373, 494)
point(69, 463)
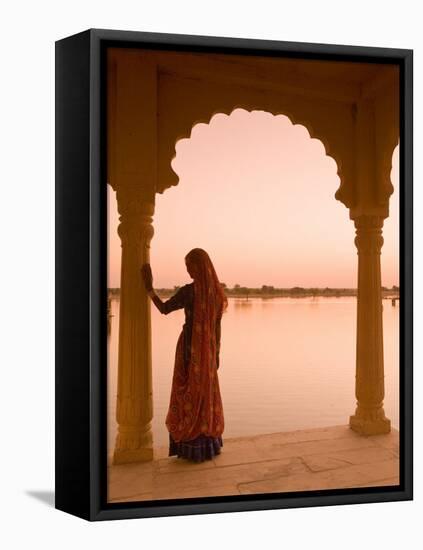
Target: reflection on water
point(286, 364)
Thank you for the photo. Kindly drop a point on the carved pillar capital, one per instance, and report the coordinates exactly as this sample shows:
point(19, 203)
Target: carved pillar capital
point(136, 217)
point(369, 237)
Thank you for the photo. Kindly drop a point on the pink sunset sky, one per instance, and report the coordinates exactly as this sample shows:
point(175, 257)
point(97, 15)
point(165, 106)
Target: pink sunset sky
point(257, 193)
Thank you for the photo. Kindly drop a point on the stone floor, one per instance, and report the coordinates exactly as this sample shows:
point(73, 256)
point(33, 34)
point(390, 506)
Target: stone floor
point(322, 458)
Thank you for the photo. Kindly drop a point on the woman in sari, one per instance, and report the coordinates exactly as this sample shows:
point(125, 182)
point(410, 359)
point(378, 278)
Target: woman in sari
point(195, 418)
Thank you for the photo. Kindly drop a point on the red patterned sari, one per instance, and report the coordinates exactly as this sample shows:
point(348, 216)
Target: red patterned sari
point(195, 419)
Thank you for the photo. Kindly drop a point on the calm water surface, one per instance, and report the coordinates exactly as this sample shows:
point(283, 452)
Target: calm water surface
point(286, 364)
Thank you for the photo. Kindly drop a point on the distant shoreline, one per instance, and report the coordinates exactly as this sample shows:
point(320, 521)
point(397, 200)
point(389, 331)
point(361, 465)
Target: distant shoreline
point(296, 292)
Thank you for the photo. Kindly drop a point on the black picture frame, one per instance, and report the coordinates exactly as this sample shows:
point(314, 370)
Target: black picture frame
point(81, 284)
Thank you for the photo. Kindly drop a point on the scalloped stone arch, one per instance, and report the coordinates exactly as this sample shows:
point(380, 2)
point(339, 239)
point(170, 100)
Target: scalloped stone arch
point(387, 164)
point(295, 120)
point(386, 167)
point(228, 112)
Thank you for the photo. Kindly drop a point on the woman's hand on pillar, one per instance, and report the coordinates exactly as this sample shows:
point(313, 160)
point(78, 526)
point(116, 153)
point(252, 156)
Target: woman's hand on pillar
point(147, 277)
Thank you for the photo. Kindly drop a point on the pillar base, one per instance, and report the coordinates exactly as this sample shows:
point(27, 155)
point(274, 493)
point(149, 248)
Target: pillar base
point(370, 426)
point(133, 444)
point(126, 456)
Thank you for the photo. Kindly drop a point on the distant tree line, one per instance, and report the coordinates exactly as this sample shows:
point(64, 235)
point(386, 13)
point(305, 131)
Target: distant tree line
point(272, 291)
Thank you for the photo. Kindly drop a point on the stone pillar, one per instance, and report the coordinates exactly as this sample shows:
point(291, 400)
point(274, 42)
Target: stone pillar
point(369, 417)
point(134, 441)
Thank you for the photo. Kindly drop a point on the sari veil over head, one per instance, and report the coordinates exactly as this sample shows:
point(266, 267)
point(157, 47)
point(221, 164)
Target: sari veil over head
point(195, 405)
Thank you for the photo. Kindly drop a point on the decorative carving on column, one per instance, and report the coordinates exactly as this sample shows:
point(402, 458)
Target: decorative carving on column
point(134, 441)
point(369, 417)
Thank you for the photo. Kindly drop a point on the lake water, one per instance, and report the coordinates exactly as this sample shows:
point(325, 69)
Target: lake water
point(286, 364)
